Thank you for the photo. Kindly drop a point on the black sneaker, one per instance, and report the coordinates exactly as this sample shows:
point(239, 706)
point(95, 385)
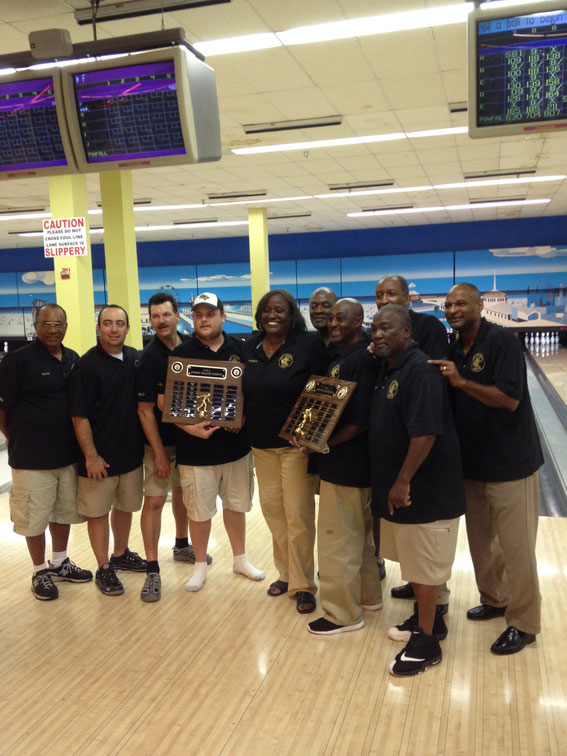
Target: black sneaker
point(129, 561)
point(422, 651)
point(404, 631)
point(107, 582)
point(69, 571)
point(43, 587)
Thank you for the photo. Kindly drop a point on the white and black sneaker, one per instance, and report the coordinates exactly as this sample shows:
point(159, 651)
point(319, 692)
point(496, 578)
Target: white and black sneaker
point(422, 651)
point(404, 631)
point(107, 582)
point(43, 587)
point(69, 571)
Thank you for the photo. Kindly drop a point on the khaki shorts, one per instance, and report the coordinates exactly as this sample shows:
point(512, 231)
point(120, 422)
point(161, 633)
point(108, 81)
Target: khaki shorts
point(154, 486)
point(425, 551)
point(97, 497)
point(38, 497)
point(233, 482)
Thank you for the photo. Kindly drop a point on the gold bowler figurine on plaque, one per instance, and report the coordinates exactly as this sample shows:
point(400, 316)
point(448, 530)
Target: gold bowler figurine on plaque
point(201, 390)
point(317, 411)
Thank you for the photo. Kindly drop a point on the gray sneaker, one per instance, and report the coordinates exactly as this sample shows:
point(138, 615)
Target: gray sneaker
point(152, 588)
point(186, 554)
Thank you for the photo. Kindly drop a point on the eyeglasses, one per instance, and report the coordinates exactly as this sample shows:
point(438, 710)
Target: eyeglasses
point(55, 326)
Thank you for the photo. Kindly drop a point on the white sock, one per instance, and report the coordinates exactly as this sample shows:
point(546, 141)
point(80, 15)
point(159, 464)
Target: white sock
point(57, 558)
point(39, 567)
point(198, 579)
point(241, 565)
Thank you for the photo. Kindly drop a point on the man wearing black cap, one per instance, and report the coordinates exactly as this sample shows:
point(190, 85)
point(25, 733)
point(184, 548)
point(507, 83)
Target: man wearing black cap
point(213, 461)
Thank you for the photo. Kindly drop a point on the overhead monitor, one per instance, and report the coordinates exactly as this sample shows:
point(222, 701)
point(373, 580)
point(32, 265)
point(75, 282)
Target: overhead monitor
point(33, 131)
point(517, 69)
point(149, 109)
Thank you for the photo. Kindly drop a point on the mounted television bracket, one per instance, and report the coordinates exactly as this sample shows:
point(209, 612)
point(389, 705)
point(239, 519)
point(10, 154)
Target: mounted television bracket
point(115, 45)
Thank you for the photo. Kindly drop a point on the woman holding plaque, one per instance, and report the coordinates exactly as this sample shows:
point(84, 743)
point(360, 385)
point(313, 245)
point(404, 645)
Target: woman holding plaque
point(279, 359)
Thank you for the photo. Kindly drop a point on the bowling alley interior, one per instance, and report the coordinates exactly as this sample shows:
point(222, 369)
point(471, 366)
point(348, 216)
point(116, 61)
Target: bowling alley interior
point(233, 147)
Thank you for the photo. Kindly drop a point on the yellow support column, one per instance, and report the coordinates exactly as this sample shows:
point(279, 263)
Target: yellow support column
point(68, 199)
point(120, 248)
point(259, 254)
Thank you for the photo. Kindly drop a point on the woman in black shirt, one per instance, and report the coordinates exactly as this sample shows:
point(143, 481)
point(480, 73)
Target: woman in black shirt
point(279, 359)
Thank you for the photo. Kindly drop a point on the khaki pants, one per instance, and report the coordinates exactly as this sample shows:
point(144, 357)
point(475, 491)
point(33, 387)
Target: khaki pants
point(502, 520)
point(347, 564)
point(287, 498)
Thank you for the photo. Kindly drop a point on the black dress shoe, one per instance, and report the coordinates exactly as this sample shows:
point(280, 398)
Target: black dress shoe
point(485, 612)
point(403, 591)
point(511, 641)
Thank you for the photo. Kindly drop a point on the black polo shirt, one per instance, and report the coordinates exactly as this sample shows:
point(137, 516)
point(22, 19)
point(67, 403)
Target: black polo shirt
point(271, 386)
point(223, 446)
point(411, 400)
point(104, 391)
point(34, 393)
point(430, 335)
point(348, 464)
point(497, 445)
point(149, 382)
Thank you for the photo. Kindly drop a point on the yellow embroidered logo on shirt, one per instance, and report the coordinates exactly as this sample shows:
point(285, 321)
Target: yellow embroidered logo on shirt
point(336, 371)
point(392, 390)
point(478, 363)
point(234, 358)
point(286, 360)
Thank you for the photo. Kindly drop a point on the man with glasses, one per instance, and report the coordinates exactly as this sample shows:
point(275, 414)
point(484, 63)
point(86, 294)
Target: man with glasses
point(42, 452)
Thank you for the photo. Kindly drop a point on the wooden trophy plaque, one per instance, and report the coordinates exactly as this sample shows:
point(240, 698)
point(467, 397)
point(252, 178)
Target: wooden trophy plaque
point(317, 411)
point(203, 390)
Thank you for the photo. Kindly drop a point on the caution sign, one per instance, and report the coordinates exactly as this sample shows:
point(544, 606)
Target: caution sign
point(64, 237)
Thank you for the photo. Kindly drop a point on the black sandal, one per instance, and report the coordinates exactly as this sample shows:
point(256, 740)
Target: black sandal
point(277, 589)
point(305, 599)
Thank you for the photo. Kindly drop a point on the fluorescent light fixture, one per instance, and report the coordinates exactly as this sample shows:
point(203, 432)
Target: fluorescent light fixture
point(261, 201)
point(24, 216)
point(346, 141)
point(381, 24)
point(214, 224)
point(356, 27)
point(244, 43)
point(449, 208)
point(500, 182)
point(367, 192)
point(7, 71)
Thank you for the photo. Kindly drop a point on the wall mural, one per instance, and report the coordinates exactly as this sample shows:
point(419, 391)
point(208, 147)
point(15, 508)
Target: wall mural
point(522, 286)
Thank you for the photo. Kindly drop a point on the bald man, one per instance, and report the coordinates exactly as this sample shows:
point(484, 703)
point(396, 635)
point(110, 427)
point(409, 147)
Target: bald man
point(321, 302)
point(431, 337)
point(347, 567)
point(501, 456)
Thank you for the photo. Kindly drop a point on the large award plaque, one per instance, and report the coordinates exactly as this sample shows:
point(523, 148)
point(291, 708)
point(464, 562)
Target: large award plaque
point(199, 390)
point(317, 411)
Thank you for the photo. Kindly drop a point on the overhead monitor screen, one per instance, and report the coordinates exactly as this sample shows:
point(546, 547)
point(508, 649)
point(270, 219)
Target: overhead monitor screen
point(520, 71)
point(129, 112)
point(30, 136)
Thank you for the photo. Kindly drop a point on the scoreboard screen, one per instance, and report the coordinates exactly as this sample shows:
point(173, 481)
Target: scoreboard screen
point(517, 72)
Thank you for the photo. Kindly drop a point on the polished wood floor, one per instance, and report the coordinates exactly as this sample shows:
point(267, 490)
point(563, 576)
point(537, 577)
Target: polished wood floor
point(231, 671)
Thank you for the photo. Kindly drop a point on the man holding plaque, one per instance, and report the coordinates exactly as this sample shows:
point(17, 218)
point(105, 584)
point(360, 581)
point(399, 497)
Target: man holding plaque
point(160, 470)
point(349, 575)
point(213, 461)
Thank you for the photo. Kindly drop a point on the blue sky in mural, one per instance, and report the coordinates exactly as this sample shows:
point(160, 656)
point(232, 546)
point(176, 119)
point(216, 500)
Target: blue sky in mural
point(426, 273)
point(179, 280)
point(515, 269)
point(311, 274)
